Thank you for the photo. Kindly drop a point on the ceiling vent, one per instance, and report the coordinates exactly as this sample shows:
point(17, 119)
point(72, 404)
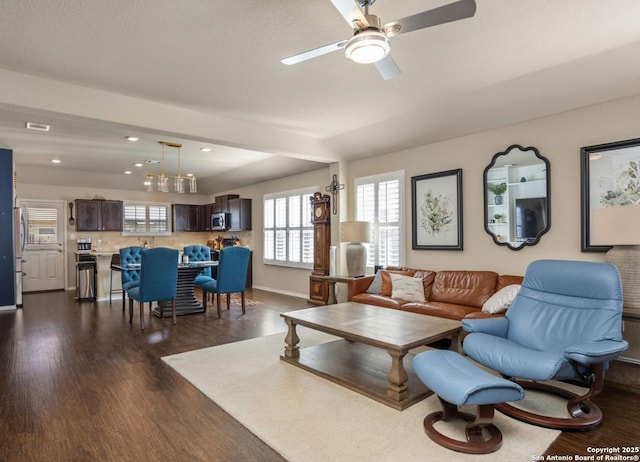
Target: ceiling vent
point(153, 162)
point(38, 127)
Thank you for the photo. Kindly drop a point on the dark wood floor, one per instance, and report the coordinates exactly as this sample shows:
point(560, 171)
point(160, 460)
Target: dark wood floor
point(78, 383)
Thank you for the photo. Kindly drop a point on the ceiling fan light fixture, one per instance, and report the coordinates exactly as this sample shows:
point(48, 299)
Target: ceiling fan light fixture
point(368, 46)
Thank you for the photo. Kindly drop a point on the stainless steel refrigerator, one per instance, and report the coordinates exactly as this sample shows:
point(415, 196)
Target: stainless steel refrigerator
point(19, 242)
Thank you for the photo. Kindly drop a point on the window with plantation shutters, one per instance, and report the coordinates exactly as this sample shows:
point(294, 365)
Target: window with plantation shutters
point(146, 219)
point(288, 231)
point(379, 200)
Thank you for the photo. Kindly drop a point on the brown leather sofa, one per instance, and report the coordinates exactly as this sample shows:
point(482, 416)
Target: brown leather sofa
point(448, 294)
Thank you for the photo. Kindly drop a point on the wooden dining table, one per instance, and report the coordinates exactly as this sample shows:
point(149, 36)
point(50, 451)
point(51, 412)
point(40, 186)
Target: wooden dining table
point(186, 301)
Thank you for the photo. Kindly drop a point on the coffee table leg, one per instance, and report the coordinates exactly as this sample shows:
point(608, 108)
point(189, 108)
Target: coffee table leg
point(291, 349)
point(397, 388)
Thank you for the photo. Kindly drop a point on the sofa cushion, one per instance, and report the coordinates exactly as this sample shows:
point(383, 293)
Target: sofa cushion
point(440, 309)
point(377, 300)
point(407, 288)
point(427, 281)
point(505, 280)
point(376, 284)
point(501, 300)
point(386, 279)
point(470, 288)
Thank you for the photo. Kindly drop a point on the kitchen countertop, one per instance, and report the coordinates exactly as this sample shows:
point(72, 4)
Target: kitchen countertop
point(102, 253)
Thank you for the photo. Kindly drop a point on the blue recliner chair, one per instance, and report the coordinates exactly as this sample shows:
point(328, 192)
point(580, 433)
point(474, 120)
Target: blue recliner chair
point(158, 280)
point(129, 278)
point(200, 253)
point(565, 324)
point(233, 266)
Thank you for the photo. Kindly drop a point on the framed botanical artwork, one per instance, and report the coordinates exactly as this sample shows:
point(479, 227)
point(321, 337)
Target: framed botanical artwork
point(610, 177)
point(436, 213)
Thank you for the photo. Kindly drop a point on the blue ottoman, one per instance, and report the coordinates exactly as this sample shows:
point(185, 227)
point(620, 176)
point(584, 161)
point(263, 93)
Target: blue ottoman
point(457, 381)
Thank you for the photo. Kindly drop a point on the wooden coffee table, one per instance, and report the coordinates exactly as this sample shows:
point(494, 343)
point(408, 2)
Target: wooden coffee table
point(378, 372)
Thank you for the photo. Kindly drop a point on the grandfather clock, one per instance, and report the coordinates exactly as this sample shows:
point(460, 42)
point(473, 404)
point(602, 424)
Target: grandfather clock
point(321, 219)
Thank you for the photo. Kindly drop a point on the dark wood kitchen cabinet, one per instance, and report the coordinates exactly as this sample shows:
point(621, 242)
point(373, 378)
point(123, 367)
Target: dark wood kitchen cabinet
point(222, 202)
point(205, 212)
point(186, 218)
point(98, 215)
point(240, 210)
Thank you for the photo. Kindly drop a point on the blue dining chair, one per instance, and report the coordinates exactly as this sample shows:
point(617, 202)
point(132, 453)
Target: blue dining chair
point(200, 253)
point(129, 278)
point(158, 280)
point(233, 265)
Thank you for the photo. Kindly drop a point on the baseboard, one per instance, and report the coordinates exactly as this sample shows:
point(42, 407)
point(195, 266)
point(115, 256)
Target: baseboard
point(621, 387)
point(624, 375)
point(281, 292)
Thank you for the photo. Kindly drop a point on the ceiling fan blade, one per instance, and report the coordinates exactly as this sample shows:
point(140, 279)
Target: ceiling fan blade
point(388, 68)
point(448, 13)
point(351, 13)
point(314, 53)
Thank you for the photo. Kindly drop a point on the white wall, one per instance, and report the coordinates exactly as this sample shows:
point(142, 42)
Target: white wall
point(558, 138)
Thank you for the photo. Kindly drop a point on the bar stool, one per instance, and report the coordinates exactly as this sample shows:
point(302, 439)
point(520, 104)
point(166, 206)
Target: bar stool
point(130, 278)
point(115, 263)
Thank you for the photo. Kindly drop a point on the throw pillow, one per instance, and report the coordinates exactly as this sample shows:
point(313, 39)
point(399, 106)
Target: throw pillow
point(386, 279)
point(376, 285)
point(501, 300)
point(407, 288)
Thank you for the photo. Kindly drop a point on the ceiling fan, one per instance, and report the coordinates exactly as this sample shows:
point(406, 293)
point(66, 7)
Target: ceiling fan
point(370, 41)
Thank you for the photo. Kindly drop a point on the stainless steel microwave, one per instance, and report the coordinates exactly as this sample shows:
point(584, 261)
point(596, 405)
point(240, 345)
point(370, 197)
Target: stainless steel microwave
point(220, 221)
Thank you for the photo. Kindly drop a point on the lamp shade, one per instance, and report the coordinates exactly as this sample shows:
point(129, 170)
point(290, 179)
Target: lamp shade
point(618, 225)
point(355, 231)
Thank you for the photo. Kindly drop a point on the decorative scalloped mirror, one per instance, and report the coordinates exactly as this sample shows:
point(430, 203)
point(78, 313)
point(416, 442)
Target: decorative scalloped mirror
point(517, 200)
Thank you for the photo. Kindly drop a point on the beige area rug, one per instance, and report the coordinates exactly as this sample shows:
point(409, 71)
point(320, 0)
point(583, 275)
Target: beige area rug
point(306, 418)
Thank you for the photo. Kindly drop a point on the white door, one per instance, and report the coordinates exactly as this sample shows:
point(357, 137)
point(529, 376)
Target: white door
point(44, 251)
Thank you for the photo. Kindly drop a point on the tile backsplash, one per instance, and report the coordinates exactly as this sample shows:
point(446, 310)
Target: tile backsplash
point(113, 241)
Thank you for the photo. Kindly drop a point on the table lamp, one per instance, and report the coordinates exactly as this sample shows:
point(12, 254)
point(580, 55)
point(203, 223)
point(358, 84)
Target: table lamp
point(620, 226)
point(355, 233)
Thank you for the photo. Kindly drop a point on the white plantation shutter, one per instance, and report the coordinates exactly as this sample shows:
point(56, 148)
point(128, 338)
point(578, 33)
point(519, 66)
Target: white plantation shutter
point(146, 219)
point(269, 217)
point(158, 219)
point(288, 231)
point(379, 201)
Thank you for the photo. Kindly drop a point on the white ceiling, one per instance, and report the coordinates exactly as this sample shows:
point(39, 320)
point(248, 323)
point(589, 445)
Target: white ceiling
point(513, 61)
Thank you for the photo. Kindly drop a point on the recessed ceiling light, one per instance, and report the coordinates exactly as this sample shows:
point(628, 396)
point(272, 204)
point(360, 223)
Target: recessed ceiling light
point(127, 172)
point(56, 161)
point(205, 149)
point(38, 127)
point(133, 139)
point(189, 174)
point(138, 164)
